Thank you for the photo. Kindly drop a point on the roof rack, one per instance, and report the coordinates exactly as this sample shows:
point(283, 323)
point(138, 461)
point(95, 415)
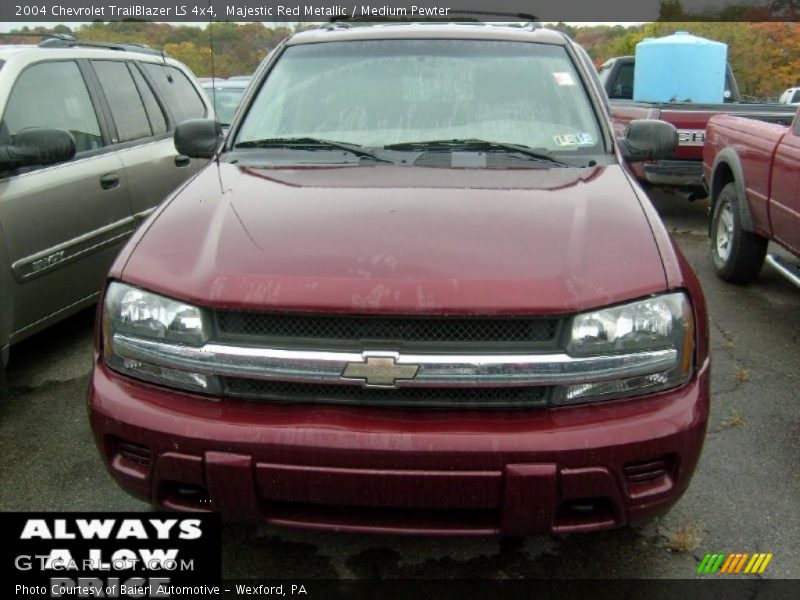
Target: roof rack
point(19, 34)
point(528, 20)
point(64, 41)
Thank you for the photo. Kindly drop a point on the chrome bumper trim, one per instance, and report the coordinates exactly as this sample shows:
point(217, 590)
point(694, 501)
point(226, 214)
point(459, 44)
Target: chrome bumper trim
point(434, 369)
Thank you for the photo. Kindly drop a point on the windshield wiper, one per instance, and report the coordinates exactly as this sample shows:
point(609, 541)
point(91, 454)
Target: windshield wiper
point(477, 144)
point(309, 143)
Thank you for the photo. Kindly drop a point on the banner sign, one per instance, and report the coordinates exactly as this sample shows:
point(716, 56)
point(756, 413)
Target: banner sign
point(111, 555)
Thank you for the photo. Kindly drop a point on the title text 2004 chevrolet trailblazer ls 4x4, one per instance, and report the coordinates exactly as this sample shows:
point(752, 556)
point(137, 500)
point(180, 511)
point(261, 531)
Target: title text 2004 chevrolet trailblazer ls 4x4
point(416, 291)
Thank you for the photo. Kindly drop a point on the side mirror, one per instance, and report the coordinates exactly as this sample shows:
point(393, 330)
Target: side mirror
point(198, 138)
point(648, 139)
point(38, 146)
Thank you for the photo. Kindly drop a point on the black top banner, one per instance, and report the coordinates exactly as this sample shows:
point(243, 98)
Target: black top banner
point(294, 11)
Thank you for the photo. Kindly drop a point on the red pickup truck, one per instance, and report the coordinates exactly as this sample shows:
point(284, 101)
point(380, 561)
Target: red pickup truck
point(682, 170)
point(415, 290)
point(753, 174)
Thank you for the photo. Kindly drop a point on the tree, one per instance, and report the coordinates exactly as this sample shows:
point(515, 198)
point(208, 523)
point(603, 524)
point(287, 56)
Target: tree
point(197, 58)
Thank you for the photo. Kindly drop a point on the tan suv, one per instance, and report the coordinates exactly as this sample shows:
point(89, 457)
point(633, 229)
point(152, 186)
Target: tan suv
point(86, 153)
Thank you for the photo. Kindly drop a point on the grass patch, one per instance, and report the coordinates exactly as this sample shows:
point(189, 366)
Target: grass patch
point(741, 375)
point(685, 538)
point(734, 420)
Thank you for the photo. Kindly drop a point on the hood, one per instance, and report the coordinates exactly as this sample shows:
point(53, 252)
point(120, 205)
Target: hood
point(392, 239)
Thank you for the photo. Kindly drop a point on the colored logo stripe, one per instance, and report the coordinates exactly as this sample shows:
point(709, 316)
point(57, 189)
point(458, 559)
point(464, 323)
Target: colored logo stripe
point(735, 562)
point(711, 563)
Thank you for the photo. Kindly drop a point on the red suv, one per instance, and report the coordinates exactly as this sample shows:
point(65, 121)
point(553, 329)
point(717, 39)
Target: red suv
point(416, 290)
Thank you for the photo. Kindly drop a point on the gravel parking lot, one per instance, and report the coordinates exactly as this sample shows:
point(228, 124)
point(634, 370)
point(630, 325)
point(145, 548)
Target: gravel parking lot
point(745, 495)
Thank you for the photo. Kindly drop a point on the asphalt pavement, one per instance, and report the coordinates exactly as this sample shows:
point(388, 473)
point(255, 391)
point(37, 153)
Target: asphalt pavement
point(745, 495)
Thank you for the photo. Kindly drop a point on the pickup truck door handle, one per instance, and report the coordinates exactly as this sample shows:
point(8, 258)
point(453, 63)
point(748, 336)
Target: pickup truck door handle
point(182, 161)
point(109, 181)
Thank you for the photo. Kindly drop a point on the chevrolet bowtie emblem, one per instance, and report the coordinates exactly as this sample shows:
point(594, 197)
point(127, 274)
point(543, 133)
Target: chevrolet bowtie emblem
point(379, 371)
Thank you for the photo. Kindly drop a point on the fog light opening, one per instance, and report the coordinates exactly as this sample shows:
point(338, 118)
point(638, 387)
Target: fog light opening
point(185, 496)
point(650, 477)
point(585, 512)
point(129, 459)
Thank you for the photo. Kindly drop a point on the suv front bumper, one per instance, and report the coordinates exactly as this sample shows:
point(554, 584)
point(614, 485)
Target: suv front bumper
point(392, 470)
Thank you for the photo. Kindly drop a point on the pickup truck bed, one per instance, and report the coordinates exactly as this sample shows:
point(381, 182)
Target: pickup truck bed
point(684, 170)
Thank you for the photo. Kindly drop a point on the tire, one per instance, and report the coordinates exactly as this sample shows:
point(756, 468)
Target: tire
point(737, 255)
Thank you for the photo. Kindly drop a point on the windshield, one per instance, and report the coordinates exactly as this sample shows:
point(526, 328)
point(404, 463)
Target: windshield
point(389, 92)
point(226, 101)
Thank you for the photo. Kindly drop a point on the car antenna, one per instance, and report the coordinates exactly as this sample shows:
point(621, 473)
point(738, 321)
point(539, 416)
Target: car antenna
point(211, 44)
point(164, 60)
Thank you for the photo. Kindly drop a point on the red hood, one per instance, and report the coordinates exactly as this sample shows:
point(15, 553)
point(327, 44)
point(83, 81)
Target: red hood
point(402, 240)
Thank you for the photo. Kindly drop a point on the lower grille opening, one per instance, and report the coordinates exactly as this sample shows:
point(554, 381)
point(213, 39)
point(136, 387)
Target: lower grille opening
point(405, 520)
point(129, 459)
point(646, 471)
point(585, 513)
point(485, 397)
point(134, 453)
point(650, 477)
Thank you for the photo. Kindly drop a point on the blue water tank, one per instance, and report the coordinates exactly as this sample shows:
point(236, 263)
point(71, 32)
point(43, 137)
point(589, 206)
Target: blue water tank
point(680, 68)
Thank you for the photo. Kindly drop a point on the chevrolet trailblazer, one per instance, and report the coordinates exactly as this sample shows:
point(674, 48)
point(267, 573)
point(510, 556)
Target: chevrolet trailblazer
point(416, 290)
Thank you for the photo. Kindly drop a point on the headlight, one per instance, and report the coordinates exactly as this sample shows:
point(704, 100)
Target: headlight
point(659, 323)
point(132, 312)
point(136, 312)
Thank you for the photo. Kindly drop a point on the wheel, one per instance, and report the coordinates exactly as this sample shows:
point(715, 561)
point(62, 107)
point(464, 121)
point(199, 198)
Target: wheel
point(738, 255)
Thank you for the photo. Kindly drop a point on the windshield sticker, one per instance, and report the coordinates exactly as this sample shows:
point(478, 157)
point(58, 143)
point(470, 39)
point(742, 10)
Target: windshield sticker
point(574, 139)
point(565, 140)
point(563, 78)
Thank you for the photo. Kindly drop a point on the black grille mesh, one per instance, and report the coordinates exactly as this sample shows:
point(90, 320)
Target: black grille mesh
point(393, 330)
point(282, 391)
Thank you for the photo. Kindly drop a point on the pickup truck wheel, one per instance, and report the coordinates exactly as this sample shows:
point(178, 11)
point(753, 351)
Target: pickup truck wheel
point(738, 255)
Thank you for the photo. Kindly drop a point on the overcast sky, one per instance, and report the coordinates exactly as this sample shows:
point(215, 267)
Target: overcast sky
point(6, 27)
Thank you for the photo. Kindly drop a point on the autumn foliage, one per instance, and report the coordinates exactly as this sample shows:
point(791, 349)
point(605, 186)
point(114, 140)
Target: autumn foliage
point(765, 56)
